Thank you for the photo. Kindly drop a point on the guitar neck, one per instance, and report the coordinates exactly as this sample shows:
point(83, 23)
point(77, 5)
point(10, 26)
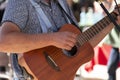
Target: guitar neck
point(96, 32)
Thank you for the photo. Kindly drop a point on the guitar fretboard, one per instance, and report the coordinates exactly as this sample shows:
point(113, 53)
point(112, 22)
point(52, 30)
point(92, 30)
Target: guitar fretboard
point(94, 30)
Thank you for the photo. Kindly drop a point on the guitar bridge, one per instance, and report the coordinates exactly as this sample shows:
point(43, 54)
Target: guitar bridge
point(51, 62)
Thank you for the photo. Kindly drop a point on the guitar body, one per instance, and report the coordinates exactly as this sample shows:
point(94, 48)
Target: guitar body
point(51, 63)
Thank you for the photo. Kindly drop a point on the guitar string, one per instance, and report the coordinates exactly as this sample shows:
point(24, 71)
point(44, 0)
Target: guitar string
point(82, 38)
point(94, 30)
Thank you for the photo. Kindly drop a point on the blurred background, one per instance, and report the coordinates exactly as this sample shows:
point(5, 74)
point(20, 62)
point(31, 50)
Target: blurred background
point(87, 13)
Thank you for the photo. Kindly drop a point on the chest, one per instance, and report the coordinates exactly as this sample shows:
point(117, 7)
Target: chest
point(54, 13)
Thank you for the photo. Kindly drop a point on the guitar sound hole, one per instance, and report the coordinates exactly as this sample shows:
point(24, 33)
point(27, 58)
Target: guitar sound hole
point(71, 52)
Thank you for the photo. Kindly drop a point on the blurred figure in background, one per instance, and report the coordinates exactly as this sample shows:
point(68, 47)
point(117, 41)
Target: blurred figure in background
point(113, 39)
point(91, 12)
point(78, 5)
point(75, 6)
point(86, 12)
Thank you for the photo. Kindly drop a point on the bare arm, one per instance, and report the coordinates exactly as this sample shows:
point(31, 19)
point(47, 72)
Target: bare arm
point(12, 40)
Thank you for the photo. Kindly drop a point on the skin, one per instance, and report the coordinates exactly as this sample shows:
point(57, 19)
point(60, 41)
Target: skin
point(14, 41)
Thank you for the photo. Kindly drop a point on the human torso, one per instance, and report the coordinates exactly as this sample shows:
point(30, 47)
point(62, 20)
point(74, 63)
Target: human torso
point(52, 11)
point(24, 15)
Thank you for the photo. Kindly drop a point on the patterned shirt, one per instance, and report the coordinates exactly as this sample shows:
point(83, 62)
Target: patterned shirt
point(23, 14)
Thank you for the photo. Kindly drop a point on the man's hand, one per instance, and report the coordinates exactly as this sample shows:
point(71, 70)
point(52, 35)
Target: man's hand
point(64, 40)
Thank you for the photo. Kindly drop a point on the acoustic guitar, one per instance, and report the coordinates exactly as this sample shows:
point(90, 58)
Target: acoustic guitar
point(52, 63)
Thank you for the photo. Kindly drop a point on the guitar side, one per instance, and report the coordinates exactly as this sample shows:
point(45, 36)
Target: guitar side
point(51, 63)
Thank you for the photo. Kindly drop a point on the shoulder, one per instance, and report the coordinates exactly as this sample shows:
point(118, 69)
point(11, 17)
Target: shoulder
point(16, 3)
point(16, 12)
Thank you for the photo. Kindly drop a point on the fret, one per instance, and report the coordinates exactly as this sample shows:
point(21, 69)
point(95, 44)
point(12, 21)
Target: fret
point(106, 20)
point(79, 41)
point(104, 23)
point(80, 38)
point(99, 27)
point(83, 38)
point(101, 24)
point(94, 30)
point(87, 35)
point(88, 32)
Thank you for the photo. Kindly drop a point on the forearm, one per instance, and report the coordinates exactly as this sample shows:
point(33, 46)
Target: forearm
point(13, 40)
point(20, 42)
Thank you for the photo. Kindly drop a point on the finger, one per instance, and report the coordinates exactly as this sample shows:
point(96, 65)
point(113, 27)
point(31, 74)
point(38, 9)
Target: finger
point(67, 47)
point(70, 34)
point(73, 35)
point(71, 40)
point(70, 43)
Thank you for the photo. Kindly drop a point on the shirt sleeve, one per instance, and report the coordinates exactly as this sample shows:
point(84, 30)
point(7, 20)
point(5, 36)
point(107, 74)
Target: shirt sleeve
point(16, 12)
